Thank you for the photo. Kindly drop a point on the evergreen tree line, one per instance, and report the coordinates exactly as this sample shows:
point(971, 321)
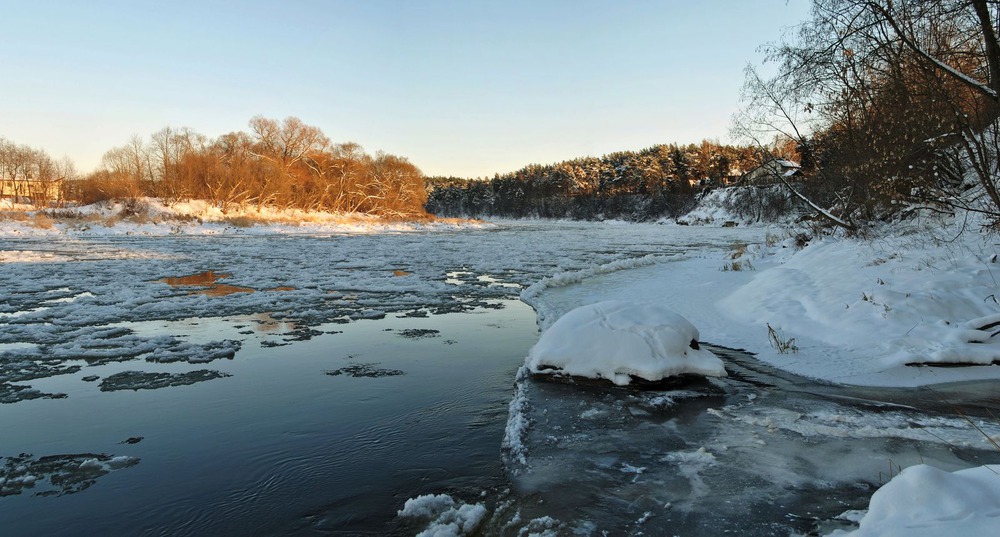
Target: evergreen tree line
point(636, 185)
point(278, 164)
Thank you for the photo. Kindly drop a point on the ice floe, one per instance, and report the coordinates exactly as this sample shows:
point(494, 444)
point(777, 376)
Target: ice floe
point(447, 518)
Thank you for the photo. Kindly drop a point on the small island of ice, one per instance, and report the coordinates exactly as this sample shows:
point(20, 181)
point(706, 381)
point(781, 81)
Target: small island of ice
point(617, 340)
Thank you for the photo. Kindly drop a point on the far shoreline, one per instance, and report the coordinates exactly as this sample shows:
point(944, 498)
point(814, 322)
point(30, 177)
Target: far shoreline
point(149, 214)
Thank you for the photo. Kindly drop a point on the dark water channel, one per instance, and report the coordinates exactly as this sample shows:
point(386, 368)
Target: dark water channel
point(331, 437)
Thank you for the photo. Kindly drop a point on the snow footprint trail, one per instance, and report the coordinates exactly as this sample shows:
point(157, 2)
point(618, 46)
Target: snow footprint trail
point(759, 453)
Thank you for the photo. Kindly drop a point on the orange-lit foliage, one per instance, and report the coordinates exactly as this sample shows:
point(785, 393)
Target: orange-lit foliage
point(285, 164)
point(30, 175)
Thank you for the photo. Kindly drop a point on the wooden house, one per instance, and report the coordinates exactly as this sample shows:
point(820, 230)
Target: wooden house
point(31, 190)
point(772, 171)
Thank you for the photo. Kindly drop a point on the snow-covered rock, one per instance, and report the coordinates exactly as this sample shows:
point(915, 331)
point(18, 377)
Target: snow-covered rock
point(616, 340)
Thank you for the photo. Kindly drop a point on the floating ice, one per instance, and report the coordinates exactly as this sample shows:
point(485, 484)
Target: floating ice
point(619, 340)
point(428, 505)
point(448, 519)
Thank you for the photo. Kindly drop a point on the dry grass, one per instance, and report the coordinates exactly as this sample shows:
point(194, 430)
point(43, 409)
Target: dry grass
point(737, 250)
point(14, 216)
point(771, 240)
point(737, 266)
point(243, 221)
point(42, 221)
point(74, 217)
point(780, 344)
point(140, 211)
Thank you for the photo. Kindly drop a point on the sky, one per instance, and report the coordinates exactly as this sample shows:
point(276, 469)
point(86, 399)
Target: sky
point(467, 88)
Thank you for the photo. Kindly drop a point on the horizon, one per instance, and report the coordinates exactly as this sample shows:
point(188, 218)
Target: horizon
point(460, 89)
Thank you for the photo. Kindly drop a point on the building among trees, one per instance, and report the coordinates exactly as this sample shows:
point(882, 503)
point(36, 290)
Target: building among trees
point(37, 191)
point(770, 172)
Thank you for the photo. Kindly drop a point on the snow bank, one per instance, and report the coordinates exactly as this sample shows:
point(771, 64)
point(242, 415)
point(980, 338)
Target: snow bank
point(860, 311)
point(530, 296)
point(517, 422)
point(925, 501)
point(153, 217)
point(879, 307)
point(448, 518)
point(616, 340)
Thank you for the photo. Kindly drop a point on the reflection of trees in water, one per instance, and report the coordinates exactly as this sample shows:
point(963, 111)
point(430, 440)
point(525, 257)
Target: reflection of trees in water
point(55, 475)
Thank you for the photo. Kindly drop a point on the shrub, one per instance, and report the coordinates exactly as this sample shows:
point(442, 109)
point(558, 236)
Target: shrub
point(782, 345)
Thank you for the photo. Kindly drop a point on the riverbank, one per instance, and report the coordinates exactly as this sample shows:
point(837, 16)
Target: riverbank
point(914, 306)
point(153, 217)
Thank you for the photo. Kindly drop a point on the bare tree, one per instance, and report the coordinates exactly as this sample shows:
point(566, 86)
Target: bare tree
point(276, 164)
point(882, 93)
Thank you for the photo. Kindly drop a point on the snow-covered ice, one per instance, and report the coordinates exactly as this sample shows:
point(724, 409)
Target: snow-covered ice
point(923, 294)
point(618, 340)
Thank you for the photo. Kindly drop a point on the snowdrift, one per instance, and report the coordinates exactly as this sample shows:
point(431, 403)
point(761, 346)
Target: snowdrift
point(619, 340)
point(925, 501)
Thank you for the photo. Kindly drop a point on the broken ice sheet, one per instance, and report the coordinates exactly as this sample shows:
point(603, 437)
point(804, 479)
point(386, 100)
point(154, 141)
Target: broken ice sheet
point(365, 371)
point(138, 380)
point(56, 475)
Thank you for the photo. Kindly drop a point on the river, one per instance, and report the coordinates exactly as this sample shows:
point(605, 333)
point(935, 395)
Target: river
point(304, 384)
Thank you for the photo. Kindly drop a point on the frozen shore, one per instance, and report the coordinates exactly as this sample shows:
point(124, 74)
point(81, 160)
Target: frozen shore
point(917, 306)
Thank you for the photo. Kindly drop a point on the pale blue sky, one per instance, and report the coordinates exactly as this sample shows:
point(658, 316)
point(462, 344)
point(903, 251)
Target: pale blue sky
point(466, 88)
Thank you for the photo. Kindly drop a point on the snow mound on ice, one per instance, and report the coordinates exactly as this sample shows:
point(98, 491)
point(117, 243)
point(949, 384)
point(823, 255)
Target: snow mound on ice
point(616, 340)
point(925, 501)
point(448, 518)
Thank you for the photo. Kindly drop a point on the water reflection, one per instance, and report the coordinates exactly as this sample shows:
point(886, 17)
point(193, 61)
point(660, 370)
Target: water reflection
point(208, 284)
point(206, 278)
point(266, 323)
point(326, 435)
